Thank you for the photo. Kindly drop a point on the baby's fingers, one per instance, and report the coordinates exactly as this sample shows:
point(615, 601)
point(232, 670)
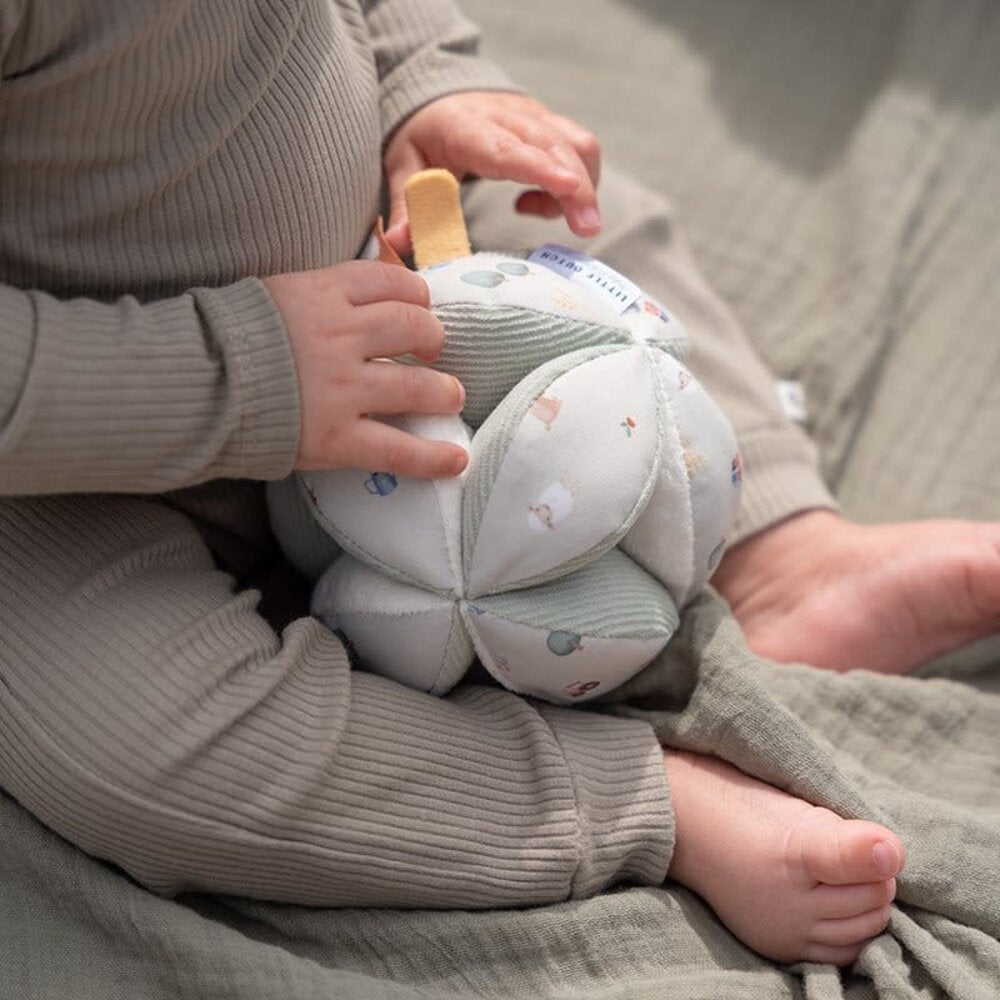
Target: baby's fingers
point(380, 447)
point(389, 329)
point(369, 281)
point(584, 144)
point(579, 152)
point(538, 203)
point(582, 216)
point(495, 152)
point(399, 388)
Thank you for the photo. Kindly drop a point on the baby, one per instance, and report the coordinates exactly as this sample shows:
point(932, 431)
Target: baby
point(184, 188)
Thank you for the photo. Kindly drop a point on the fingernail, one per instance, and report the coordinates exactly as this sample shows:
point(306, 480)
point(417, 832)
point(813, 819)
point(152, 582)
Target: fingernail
point(886, 858)
point(459, 462)
point(590, 218)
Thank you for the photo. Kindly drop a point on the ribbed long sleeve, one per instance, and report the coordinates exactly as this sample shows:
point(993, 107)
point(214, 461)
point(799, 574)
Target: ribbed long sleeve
point(144, 398)
point(422, 50)
point(154, 156)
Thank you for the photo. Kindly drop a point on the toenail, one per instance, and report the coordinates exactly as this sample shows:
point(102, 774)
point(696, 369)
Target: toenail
point(886, 858)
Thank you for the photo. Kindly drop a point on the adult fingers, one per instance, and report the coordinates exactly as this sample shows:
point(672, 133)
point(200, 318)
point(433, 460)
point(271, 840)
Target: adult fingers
point(390, 387)
point(378, 446)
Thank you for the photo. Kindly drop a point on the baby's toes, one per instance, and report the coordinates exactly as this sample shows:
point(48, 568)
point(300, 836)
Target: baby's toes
point(828, 955)
point(847, 931)
point(837, 901)
point(846, 852)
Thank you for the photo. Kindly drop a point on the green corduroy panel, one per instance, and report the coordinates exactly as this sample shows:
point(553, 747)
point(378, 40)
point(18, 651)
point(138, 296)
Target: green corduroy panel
point(612, 598)
point(458, 654)
point(515, 341)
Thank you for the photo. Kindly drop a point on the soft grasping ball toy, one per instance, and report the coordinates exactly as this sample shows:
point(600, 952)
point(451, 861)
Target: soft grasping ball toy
point(602, 484)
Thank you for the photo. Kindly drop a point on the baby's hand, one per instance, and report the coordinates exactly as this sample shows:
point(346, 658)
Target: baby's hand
point(501, 137)
point(343, 322)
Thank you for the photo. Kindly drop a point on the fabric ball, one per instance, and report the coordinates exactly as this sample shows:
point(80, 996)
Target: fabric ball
point(601, 486)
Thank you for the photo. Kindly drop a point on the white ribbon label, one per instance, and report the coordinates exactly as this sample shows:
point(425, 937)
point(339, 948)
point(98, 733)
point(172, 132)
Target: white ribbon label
point(612, 288)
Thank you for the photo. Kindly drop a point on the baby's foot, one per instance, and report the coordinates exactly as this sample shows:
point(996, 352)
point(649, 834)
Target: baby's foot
point(791, 880)
point(818, 589)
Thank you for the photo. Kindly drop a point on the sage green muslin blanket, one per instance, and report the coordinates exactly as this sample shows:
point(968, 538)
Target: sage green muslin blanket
point(836, 166)
point(921, 755)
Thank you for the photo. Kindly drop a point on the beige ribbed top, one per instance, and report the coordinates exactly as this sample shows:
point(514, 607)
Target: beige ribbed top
point(156, 158)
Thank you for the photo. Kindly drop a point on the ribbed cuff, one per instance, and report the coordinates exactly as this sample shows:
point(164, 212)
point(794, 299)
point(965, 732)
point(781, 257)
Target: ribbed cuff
point(246, 321)
point(780, 478)
point(431, 74)
point(626, 821)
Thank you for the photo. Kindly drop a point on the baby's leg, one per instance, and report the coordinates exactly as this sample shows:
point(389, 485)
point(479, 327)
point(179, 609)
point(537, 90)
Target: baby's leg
point(153, 718)
point(793, 881)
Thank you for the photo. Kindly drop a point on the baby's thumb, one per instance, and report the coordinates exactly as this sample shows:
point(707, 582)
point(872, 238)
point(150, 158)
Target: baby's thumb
point(400, 165)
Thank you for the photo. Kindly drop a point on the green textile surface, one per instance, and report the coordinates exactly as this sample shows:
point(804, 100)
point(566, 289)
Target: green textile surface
point(920, 754)
point(835, 166)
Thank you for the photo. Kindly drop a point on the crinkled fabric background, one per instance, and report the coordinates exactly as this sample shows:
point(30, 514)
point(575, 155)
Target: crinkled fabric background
point(835, 168)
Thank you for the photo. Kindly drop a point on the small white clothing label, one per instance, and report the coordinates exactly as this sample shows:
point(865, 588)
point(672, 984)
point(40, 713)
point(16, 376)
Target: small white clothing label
point(792, 396)
point(612, 288)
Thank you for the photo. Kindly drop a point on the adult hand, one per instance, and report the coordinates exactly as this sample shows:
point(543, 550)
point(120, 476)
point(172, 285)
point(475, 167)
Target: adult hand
point(499, 136)
point(343, 322)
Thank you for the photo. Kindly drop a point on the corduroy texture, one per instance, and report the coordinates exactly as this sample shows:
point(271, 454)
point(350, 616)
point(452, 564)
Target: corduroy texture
point(490, 450)
point(605, 598)
point(526, 343)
